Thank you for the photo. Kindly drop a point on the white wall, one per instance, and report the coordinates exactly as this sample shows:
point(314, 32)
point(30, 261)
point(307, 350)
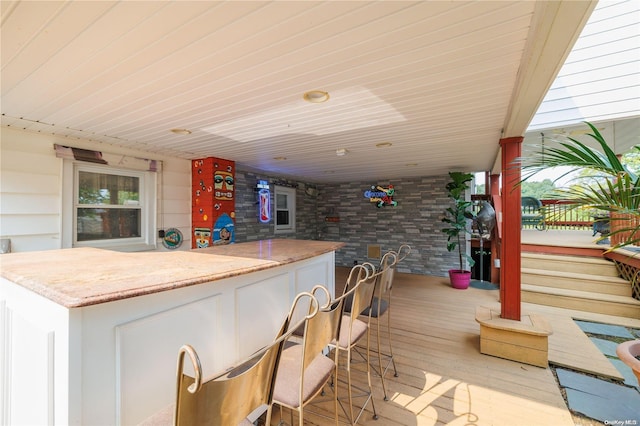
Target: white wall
point(31, 189)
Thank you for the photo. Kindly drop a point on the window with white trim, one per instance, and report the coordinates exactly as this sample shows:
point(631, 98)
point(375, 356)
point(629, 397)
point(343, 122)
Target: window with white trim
point(285, 206)
point(112, 208)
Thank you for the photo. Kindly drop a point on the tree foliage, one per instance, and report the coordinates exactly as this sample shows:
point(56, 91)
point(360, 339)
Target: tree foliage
point(539, 190)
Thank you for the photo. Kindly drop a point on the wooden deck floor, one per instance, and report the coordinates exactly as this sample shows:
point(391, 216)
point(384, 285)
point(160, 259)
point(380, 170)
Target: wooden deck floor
point(564, 238)
point(443, 377)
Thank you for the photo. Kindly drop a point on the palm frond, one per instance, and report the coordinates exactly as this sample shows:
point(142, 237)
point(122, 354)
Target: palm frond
point(576, 156)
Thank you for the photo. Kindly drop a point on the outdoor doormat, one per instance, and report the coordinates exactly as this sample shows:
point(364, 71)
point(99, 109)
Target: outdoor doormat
point(483, 285)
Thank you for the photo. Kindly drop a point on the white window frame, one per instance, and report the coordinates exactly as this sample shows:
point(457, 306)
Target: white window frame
point(290, 193)
point(147, 204)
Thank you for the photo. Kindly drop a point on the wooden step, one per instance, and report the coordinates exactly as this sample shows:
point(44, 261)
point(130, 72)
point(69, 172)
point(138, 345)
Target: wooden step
point(575, 281)
point(577, 264)
point(581, 300)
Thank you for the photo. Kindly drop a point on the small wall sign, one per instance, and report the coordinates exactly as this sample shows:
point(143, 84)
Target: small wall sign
point(172, 238)
point(381, 196)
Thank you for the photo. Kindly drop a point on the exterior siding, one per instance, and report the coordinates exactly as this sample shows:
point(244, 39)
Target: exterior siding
point(174, 196)
point(30, 185)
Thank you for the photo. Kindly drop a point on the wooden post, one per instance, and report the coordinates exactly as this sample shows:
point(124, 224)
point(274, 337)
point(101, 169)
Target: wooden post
point(511, 227)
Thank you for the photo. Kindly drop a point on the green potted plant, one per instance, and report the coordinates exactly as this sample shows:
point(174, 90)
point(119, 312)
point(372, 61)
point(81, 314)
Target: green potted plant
point(457, 218)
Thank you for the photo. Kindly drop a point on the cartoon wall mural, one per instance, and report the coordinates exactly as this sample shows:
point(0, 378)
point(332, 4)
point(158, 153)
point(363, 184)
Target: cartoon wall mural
point(223, 184)
point(202, 237)
point(213, 202)
point(224, 230)
point(381, 196)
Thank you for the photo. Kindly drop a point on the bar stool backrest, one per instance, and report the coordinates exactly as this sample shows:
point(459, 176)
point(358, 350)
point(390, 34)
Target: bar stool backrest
point(321, 329)
point(228, 398)
point(358, 297)
point(387, 270)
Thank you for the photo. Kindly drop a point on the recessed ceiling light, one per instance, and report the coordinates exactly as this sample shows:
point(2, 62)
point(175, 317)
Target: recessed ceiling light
point(181, 131)
point(279, 158)
point(383, 145)
point(411, 164)
point(316, 96)
point(341, 152)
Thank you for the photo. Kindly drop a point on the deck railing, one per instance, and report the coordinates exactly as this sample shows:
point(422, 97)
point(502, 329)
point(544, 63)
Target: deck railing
point(559, 215)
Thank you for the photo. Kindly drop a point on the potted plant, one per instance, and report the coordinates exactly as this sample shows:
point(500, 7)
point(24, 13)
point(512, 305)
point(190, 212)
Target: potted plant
point(457, 219)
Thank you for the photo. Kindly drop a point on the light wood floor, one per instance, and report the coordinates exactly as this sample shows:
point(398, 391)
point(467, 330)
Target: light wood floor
point(443, 377)
point(564, 238)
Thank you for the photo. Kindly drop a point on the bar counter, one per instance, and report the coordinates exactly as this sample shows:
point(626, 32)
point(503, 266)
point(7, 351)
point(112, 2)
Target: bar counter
point(88, 276)
point(90, 336)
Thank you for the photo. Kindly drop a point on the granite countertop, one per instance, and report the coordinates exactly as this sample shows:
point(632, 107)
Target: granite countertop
point(87, 276)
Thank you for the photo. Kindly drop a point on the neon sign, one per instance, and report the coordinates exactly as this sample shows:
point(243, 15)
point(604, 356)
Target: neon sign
point(264, 201)
point(381, 196)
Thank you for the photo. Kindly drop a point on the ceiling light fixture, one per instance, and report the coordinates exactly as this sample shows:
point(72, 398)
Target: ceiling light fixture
point(316, 96)
point(341, 152)
point(383, 145)
point(181, 131)
point(279, 158)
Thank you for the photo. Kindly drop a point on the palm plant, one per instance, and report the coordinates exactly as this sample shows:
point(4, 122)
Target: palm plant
point(615, 189)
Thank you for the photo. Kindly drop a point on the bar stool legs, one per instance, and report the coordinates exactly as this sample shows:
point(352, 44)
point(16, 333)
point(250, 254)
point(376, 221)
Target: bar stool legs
point(382, 371)
point(352, 331)
point(381, 308)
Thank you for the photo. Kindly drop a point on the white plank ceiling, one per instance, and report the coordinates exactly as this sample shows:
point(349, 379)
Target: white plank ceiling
point(440, 81)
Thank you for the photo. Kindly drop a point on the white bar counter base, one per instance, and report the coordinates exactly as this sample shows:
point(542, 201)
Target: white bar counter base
point(91, 337)
point(524, 341)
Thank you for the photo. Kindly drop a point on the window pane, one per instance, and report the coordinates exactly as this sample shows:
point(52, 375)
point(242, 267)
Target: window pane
point(104, 189)
point(107, 224)
point(281, 201)
point(282, 217)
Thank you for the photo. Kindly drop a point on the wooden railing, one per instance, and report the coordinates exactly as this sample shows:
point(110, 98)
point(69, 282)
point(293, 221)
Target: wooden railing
point(559, 215)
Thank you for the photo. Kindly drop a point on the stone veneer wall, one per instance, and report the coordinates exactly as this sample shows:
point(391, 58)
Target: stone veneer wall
point(415, 220)
point(249, 228)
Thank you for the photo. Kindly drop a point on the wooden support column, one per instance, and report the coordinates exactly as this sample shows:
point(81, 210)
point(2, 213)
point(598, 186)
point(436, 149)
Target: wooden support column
point(511, 227)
